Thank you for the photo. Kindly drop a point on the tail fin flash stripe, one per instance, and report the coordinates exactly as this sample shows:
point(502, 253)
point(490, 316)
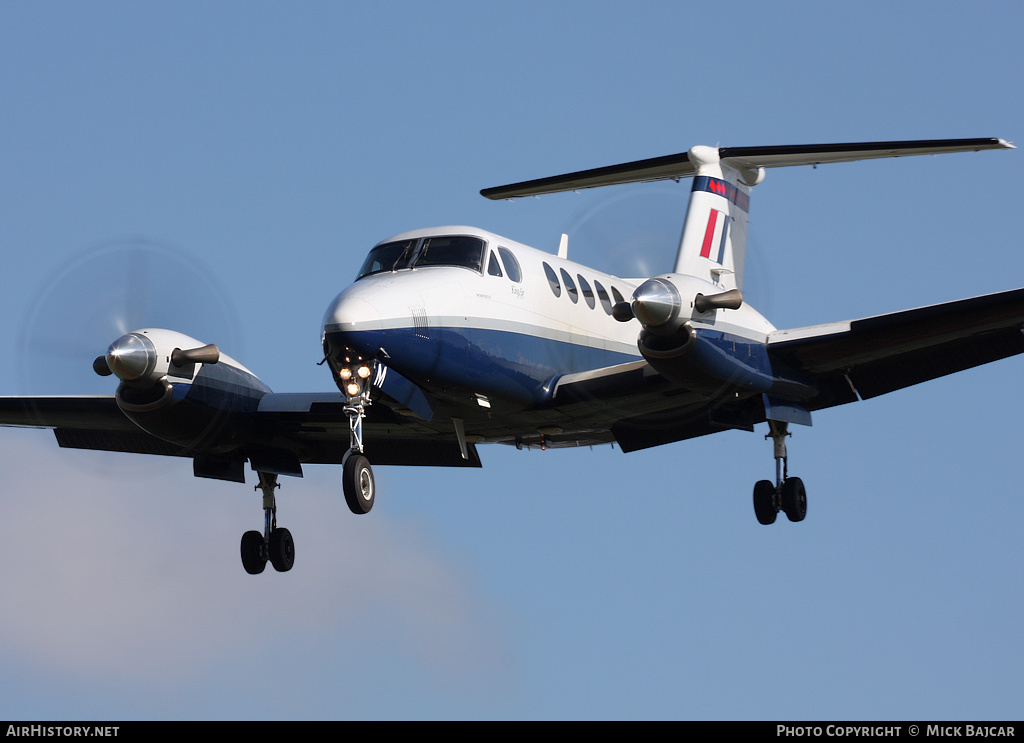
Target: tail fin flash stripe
point(709, 234)
point(715, 235)
point(723, 189)
point(721, 243)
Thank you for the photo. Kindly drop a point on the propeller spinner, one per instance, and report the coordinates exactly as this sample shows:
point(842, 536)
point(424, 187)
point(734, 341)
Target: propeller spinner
point(130, 357)
point(133, 358)
point(657, 304)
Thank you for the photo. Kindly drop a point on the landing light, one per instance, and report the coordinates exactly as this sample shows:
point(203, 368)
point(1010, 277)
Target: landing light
point(354, 373)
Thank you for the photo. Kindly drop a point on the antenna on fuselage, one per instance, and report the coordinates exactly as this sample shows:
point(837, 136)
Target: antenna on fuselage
point(563, 246)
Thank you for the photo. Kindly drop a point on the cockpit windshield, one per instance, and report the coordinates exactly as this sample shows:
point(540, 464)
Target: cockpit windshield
point(387, 257)
point(445, 250)
point(467, 252)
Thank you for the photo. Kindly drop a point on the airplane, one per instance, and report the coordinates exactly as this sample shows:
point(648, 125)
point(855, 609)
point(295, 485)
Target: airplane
point(453, 336)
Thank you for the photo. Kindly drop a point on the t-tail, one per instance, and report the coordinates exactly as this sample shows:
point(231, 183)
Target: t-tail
point(713, 241)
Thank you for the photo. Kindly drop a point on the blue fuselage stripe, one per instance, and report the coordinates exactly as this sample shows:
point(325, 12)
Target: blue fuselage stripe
point(518, 366)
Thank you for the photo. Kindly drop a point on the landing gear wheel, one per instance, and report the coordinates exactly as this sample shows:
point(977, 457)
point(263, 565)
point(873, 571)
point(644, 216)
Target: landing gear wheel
point(794, 499)
point(282, 550)
point(357, 482)
point(254, 557)
point(764, 502)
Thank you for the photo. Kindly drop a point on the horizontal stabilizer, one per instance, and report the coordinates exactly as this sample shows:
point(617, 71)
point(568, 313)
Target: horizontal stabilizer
point(740, 158)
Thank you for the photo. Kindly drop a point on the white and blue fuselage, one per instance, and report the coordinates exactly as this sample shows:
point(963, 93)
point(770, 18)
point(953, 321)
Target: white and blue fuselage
point(483, 316)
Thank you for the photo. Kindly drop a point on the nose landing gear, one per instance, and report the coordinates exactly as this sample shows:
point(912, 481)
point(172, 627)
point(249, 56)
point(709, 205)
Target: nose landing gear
point(786, 494)
point(357, 474)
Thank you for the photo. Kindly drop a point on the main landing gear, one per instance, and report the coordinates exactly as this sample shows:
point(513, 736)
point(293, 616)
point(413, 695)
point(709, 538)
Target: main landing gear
point(275, 544)
point(787, 493)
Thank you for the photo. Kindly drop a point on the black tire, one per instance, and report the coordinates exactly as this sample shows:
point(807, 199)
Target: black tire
point(764, 502)
point(254, 558)
point(282, 550)
point(794, 499)
point(357, 482)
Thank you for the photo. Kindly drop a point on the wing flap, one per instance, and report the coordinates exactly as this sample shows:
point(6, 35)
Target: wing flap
point(132, 442)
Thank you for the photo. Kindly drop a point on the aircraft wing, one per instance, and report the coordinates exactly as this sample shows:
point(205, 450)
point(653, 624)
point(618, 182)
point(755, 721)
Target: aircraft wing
point(875, 355)
point(84, 422)
point(287, 429)
point(856, 359)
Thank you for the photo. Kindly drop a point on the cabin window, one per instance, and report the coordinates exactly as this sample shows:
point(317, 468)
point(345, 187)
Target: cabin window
point(616, 296)
point(570, 288)
point(556, 288)
point(465, 252)
point(387, 257)
point(511, 265)
point(493, 267)
point(588, 293)
point(602, 295)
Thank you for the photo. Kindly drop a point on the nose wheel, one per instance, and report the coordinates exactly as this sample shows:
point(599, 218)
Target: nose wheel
point(786, 494)
point(357, 482)
point(274, 544)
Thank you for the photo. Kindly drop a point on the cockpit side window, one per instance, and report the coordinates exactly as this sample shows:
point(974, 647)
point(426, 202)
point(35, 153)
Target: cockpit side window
point(387, 257)
point(493, 267)
point(511, 265)
point(466, 252)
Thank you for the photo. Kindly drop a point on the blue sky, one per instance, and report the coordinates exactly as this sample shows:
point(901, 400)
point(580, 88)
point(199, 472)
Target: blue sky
point(272, 144)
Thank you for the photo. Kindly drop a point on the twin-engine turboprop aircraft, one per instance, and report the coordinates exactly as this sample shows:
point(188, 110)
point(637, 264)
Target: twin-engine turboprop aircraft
point(453, 337)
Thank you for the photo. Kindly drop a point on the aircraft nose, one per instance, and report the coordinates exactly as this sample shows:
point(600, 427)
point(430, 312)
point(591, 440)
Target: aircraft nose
point(348, 313)
point(352, 322)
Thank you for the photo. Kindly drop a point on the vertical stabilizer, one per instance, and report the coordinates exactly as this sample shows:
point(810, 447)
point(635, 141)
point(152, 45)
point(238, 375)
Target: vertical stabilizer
point(714, 238)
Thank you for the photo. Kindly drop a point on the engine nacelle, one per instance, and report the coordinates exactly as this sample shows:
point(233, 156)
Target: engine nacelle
point(180, 390)
point(682, 341)
point(666, 304)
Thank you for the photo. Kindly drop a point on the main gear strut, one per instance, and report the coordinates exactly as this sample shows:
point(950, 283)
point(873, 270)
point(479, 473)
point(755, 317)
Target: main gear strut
point(787, 493)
